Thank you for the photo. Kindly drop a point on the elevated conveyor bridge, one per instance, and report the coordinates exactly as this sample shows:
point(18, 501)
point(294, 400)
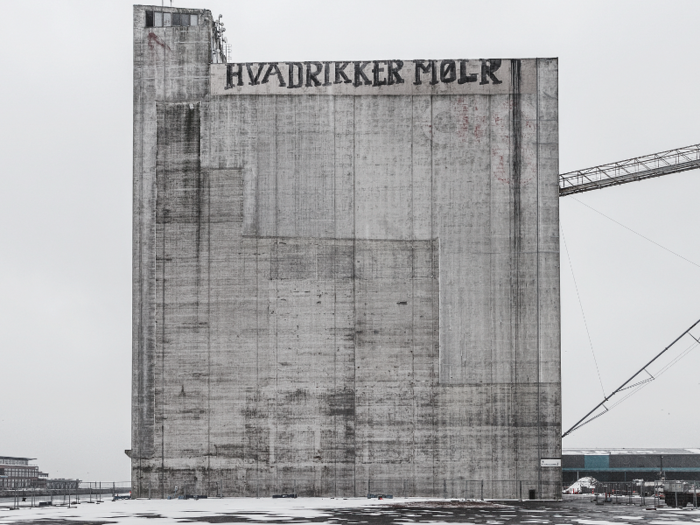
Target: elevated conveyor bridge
point(630, 170)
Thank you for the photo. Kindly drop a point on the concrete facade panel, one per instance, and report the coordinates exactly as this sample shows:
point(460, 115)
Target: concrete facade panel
point(343, 289)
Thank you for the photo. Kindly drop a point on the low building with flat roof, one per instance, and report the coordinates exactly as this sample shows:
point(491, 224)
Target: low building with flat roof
point(626, 464)
point(18, 473)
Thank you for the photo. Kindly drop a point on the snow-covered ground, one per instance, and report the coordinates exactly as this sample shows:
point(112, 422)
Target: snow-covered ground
point(399, 511)
point(240, 510)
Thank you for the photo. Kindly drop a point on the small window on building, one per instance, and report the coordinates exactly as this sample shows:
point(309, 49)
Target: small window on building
point(160, 19)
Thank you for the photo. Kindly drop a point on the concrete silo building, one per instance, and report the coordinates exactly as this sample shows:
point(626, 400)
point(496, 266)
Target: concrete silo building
point(346, 274)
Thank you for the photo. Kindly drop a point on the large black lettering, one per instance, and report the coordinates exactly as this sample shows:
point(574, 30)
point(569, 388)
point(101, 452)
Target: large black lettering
point(392, 74)
point(375, 73)
point(340, 72)
point(448, 71)
point(300, 75)
point(360, 77)
point(327, 73)
point(425, 68)
point(312, 77)
point(488, 67)
point(273, 69)
point(234, 71)
point(463, 77)
point(254, 79)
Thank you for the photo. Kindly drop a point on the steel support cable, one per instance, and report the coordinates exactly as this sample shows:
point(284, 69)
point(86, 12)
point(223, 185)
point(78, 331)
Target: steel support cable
point(641, 384)
point(638, 383)
point(580, 304)
point(584, 419)
point(644, 383)
point(637, 233)
point(680, 356)
point(591, 419)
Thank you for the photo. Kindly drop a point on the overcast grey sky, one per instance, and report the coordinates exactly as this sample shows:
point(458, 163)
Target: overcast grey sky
point(629, 82)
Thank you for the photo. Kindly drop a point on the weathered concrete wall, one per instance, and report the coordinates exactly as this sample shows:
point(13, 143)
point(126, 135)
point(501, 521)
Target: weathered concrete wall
point(170, 64)
point(336, 291)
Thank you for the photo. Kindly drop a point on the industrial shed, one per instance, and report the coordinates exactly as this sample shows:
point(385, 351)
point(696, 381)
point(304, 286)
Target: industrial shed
point(623, 464)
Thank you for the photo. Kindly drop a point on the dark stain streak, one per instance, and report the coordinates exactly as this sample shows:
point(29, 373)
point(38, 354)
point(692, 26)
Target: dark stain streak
point(298, 396)
point(516, 226)
point(153, 39)
point(341, 403)
point(61, 521)
point(192, 127)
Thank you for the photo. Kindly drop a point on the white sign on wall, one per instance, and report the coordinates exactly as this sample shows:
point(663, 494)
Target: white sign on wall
point(551, 462)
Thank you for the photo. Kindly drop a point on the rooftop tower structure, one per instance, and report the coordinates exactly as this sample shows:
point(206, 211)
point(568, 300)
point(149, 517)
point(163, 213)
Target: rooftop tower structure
point(346, 274)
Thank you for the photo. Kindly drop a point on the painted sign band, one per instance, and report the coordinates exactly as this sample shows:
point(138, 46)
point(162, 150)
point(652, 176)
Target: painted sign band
point(374, 77)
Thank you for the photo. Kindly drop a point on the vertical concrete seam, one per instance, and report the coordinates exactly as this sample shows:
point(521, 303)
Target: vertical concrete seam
point(537, 275)
point(275, 100)
point(150, 341)
point(489, 192)
point(162, 342)
point(295, 173)
point(257, 299)
point(413, 301)
point(436, 389)
point(208, 212)
point(354, 298)
point(334, 276)
point(137, 436)
point(489, 100)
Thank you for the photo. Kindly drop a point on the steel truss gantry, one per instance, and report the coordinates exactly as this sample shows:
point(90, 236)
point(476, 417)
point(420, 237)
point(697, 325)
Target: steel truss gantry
point(630, 170)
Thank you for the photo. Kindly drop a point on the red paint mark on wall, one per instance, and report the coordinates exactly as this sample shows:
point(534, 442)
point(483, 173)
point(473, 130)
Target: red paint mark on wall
point(153, 39)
